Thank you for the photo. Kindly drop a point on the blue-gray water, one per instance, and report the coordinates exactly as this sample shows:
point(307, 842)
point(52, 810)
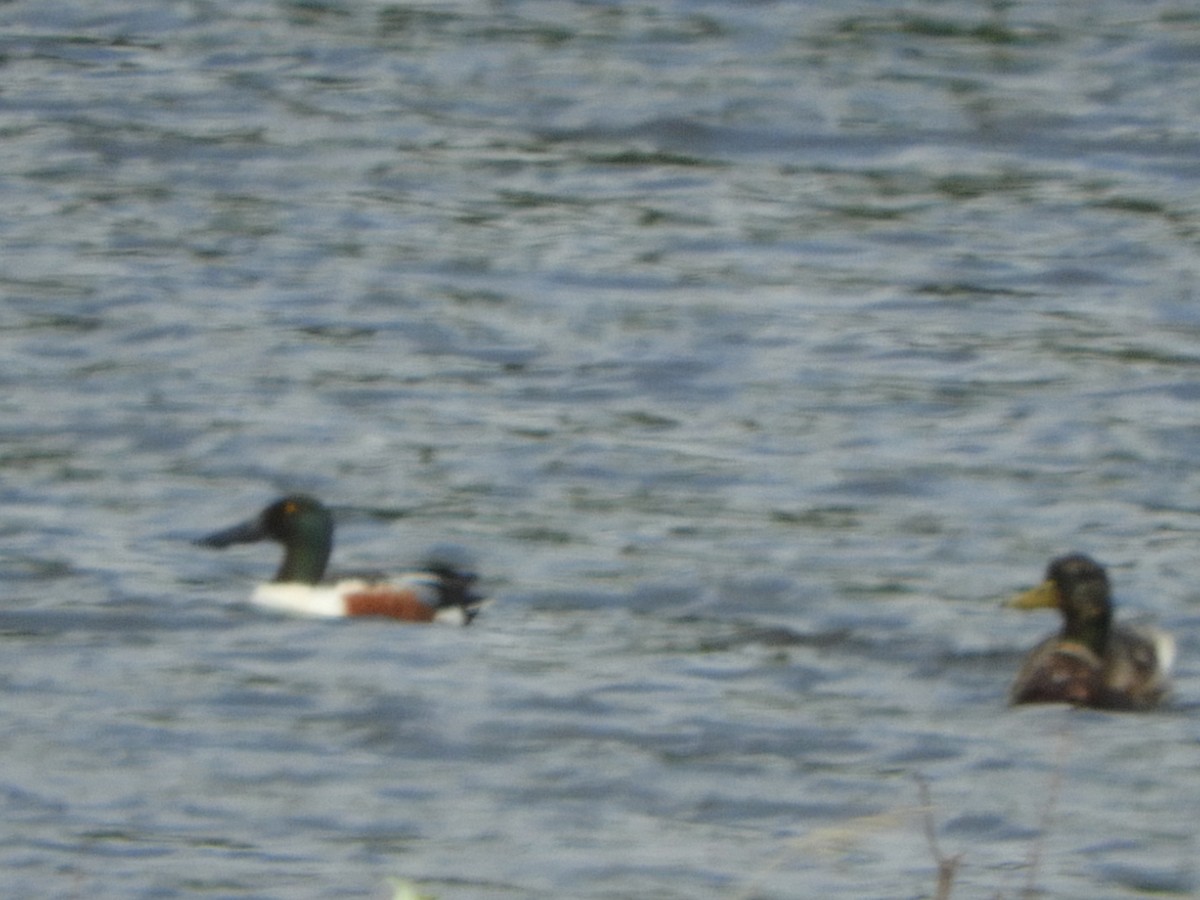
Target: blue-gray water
point(754, 350)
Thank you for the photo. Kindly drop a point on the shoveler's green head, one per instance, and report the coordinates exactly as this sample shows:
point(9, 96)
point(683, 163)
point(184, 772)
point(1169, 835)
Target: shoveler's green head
point(301, 523)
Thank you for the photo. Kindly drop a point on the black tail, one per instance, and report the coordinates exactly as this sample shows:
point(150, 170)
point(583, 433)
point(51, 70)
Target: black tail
point(455, 588)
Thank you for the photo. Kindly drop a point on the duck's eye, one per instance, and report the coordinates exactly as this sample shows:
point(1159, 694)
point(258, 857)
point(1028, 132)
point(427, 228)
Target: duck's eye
point(290, 508)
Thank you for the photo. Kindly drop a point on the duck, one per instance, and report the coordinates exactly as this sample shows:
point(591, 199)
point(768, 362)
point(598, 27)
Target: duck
point(304, 526)
point(1091, 662)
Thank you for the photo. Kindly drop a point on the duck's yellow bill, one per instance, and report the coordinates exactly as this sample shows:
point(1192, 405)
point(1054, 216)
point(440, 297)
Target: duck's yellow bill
point(1043, 596)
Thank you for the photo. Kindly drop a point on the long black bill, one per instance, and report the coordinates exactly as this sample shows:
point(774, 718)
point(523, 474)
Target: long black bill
point(244, 533)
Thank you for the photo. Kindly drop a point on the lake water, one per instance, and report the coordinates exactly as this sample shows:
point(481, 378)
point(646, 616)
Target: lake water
point(753, 351)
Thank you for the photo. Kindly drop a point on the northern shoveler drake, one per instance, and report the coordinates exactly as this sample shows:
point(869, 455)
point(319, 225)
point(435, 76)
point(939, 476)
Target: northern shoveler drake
point(1091, 662)
point(305, 528)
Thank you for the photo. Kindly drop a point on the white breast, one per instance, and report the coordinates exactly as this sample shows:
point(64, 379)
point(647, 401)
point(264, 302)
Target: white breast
point(304, 599)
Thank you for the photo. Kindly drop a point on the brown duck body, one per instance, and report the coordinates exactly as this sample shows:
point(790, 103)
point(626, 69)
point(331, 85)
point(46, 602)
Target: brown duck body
point(1091, 662)
point(1128, 675)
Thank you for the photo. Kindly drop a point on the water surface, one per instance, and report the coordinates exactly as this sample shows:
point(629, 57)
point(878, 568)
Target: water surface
point(754, 351)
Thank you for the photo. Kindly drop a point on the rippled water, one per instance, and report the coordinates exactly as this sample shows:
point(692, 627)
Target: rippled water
point(753, 350)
